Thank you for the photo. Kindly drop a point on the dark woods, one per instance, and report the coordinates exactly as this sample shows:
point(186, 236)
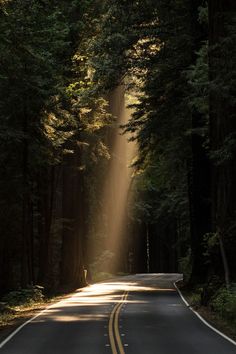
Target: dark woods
point(59, 64)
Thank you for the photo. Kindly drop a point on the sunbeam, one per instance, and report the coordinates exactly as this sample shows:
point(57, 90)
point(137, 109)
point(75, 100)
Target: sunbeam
point(117, 185)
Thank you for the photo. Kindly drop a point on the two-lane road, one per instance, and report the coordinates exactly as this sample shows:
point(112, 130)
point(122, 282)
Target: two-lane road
point(138, 314)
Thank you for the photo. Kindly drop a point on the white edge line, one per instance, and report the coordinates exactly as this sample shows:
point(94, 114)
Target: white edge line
point(201, 318)
point(18, 329)
point(6, 340)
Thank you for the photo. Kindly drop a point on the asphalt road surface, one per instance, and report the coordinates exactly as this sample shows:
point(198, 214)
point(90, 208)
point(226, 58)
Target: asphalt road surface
point(139, 314)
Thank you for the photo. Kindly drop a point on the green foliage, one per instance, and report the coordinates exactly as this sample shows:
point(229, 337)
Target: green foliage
point(59, 63)
point(102, 262)
point(24, 297)
point(226, 152)
point(222, 85)
point(203, 14)
point(211, 243)
point(185, 266)
point(194, 298)
point(198, 78)
point(224, 303)
point(48, 109)
point(141, 44)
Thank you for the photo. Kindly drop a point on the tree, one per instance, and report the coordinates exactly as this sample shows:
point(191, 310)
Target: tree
point(222, 126)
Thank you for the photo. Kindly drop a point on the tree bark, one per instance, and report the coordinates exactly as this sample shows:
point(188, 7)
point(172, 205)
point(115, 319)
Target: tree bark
point(199, 176)
point(222, 127)
point(26, 259)
point(46, 196)
point(72, 265)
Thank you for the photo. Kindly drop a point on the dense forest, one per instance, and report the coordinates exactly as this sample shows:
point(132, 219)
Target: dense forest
point(84, 82)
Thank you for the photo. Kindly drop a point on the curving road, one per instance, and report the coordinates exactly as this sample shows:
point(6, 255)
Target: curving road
point(138, 314)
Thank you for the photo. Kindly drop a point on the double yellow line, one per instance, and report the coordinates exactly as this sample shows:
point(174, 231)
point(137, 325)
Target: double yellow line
point(114, 333)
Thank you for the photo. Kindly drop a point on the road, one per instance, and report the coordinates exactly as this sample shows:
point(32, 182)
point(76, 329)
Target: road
point(138, 314)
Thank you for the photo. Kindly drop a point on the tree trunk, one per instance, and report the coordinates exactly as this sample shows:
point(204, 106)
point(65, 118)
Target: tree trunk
point(72, 266)
point(46, 191)
point(224, 260)
point(222, 127)
point(26, 259)
point(199, 176)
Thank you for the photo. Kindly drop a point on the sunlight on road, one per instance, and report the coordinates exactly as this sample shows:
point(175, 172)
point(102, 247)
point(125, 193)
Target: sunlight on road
point(102, 297)
point(97, 301)
point(110, 288)
point(105, 293)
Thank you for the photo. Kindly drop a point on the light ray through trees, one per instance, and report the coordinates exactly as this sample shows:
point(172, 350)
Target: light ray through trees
point(117, 186)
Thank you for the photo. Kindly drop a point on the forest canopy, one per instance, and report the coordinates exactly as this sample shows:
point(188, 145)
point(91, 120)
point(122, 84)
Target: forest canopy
point(81, 83)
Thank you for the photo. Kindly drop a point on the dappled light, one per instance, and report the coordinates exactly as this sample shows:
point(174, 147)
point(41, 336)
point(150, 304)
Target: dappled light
point(96, 301)
point(108, 288)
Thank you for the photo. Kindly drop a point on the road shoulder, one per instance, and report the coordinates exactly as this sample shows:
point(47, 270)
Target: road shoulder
point(206, 315)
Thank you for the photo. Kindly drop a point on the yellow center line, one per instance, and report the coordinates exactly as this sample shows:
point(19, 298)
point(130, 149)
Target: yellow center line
point(116, 326)
point(114, 335)
point(111, 335)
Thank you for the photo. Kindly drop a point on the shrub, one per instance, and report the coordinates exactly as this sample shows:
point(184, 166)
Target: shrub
point(24, 296)
point(185, 265)
point(224, 303)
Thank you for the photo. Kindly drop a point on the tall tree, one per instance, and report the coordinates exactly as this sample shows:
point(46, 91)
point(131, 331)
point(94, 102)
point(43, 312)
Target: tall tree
point(222, 36)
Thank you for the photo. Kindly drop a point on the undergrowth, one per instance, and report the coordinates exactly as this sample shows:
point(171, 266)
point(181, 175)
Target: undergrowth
point(220, 307)
point(23, 297)
point(223, 303)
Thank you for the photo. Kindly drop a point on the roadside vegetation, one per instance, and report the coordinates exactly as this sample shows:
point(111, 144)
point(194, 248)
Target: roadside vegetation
point(220, 311)
point(20, 304)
